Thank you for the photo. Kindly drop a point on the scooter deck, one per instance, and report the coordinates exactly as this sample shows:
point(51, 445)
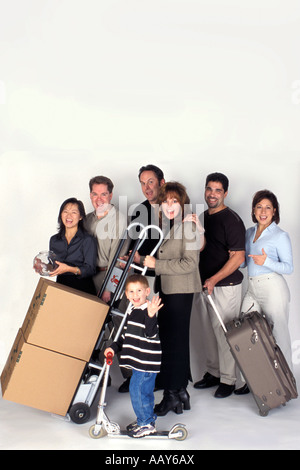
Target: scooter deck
point(157, 435)
point(177, 432)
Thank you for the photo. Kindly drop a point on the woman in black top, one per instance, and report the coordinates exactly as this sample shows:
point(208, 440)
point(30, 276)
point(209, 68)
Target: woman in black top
point(75, 249)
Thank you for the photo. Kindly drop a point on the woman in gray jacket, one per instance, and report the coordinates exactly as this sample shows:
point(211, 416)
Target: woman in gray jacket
point(177, 278)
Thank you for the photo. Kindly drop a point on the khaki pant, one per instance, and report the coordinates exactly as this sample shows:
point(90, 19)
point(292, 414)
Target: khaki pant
point(219, 360)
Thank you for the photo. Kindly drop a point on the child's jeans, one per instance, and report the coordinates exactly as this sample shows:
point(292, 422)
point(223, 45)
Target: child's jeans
point(142, 396)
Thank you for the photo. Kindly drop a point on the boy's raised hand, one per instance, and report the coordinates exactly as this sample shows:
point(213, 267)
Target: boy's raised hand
point(154, 305)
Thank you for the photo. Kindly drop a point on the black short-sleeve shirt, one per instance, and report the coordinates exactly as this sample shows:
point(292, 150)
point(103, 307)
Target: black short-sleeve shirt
point(224, 231)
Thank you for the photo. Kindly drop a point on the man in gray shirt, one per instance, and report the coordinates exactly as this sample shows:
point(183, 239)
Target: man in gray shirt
point(107, 224)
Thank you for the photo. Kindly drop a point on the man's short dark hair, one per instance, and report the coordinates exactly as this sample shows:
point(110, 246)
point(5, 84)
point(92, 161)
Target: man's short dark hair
point(101, 180)
point(220, 178)
point(159, 173)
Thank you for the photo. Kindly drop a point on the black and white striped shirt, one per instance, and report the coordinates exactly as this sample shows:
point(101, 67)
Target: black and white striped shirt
point(139, 342)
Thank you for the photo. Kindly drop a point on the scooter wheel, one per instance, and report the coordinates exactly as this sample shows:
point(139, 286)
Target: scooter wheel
point(80, 413)
point(97, 435)
point(181, 431)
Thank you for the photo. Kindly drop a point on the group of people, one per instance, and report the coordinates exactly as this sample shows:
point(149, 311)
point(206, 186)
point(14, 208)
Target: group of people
point(192, 260)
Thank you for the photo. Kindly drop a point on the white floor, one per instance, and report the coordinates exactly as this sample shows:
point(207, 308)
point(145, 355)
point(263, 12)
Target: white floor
point(220, 424)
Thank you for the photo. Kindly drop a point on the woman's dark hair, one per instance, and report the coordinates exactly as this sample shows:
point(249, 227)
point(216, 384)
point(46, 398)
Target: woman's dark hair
point(71, 200)
point(266, 194)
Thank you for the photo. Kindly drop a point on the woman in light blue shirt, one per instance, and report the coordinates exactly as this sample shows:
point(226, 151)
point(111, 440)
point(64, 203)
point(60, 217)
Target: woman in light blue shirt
point(268, 257)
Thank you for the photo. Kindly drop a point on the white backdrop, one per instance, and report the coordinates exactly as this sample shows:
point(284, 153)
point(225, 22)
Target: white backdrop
point(104, 87)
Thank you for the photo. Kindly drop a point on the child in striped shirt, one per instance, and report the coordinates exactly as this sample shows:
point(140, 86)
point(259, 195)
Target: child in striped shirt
point(141, 352)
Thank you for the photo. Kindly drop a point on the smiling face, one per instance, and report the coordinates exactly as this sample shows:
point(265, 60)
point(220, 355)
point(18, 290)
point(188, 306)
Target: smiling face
point(100, 197)
point(137, 293)
point(171, 207)
point(215, 196)
point(264, 212)
point(70, 216)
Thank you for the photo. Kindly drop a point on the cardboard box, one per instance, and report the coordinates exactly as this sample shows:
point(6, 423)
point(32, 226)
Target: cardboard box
point(64, 320)
point(40, 378)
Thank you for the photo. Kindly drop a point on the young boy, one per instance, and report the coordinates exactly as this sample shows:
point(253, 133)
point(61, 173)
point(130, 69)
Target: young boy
point(141, 352)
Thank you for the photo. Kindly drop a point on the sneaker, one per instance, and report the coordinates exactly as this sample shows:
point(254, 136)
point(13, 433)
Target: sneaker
point(131, 426)
point(142, 431)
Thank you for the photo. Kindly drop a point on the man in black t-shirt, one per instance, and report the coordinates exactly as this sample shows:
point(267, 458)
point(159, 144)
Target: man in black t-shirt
point(220, 259)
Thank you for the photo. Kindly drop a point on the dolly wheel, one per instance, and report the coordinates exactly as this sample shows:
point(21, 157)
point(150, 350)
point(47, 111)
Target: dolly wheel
point(182, 433)
point(80, 413)
point(94, 435)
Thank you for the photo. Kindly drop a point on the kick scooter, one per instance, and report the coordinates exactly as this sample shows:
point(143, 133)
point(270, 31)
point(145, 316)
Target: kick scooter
point(104, 426)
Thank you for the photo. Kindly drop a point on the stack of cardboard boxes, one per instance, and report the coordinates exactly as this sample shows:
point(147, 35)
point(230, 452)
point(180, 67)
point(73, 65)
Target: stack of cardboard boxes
point(52, 347)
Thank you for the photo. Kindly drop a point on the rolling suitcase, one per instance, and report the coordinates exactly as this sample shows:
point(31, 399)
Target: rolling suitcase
point(260, 360)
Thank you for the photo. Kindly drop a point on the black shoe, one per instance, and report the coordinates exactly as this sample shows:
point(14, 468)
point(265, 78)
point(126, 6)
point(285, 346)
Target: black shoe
point(242, 391)
point(224, 390)
point(207, 381)
point(185, 398)
point(124, 388)
point(170, 401)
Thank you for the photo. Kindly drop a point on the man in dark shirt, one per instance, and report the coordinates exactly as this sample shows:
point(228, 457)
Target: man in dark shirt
point(151, 178)
point(224, 252)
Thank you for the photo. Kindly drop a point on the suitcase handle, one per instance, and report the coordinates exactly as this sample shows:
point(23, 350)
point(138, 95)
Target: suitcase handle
point(215, 310)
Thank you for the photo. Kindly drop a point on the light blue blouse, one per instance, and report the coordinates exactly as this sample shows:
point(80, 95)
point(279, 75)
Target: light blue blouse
point(277, 246)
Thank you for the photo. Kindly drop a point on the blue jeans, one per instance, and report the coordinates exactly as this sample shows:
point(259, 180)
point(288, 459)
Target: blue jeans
point(141, 391)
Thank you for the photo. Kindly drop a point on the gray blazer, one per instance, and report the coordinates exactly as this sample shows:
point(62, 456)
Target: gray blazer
point(177, 260)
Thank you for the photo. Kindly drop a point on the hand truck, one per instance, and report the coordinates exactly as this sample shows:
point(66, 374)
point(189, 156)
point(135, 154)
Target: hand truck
point(79, 411)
